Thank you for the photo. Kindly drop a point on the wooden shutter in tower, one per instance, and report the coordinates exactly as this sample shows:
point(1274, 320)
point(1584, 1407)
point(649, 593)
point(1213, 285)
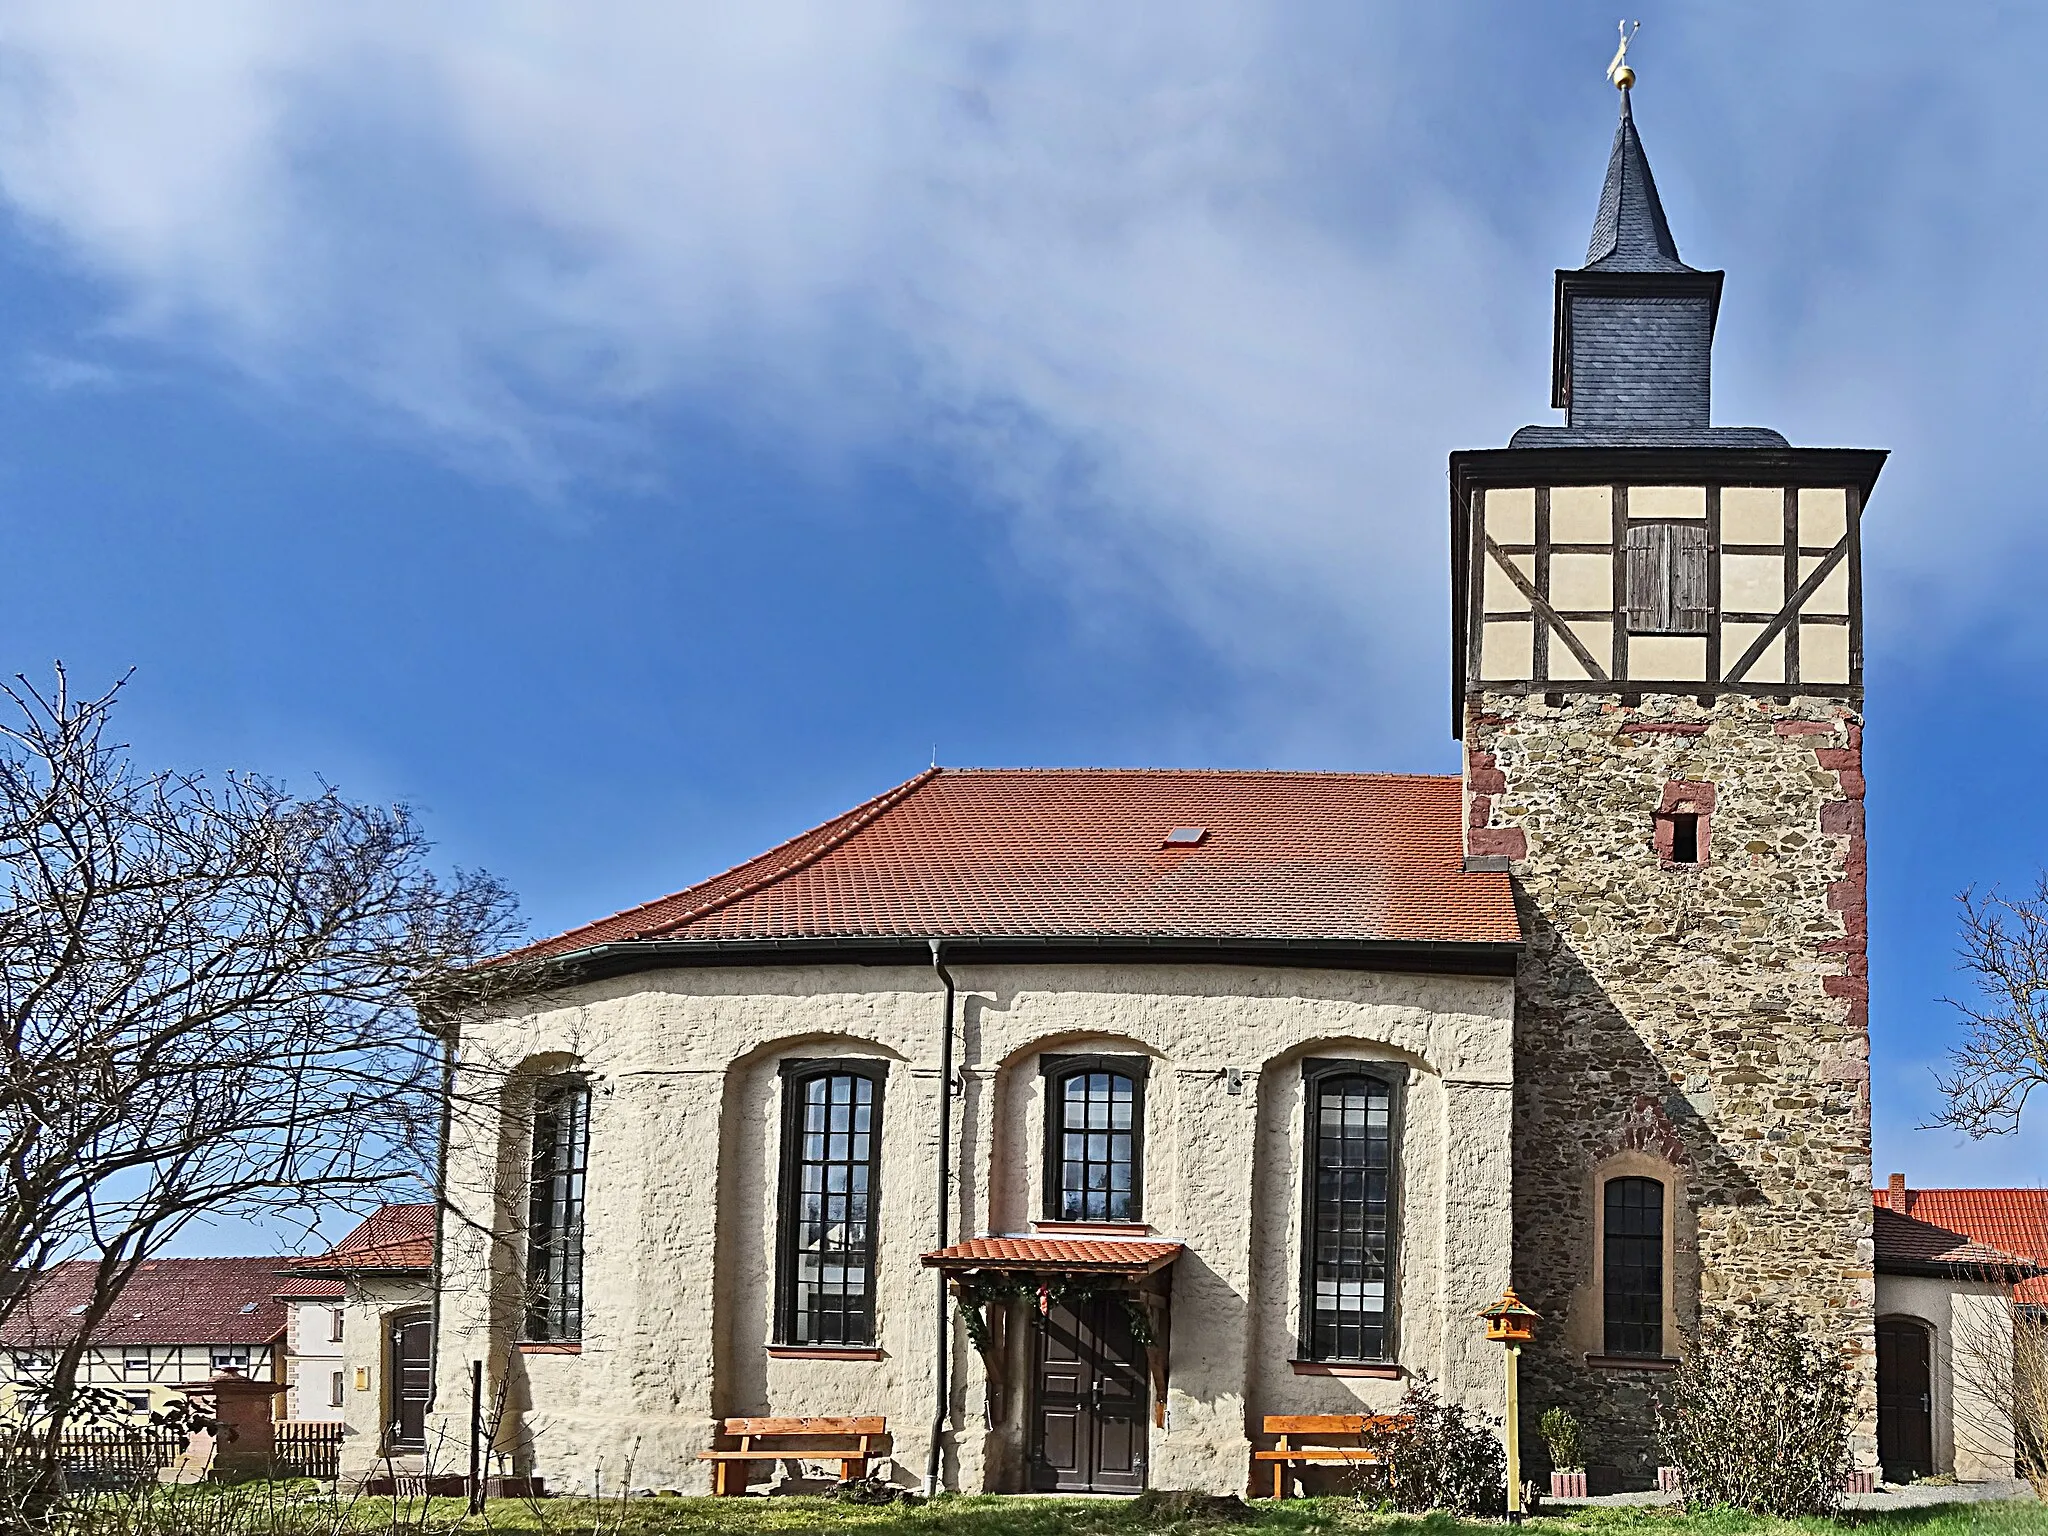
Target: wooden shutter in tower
point(1688, 553)
point(1649, 579)
point(1667, 578)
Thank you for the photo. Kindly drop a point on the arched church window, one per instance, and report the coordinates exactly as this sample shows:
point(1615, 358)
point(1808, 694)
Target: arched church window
point(831, 1154)
point(1095, 1137)
point(554, 1224)
point(1348, 1230)
point(1632, 1264)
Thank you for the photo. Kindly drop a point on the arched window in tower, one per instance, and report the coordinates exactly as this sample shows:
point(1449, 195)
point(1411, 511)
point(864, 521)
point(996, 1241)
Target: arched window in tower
point(1095, 1138)
point(1347, 1239)
point(1632, 1264)
point(831, 1151)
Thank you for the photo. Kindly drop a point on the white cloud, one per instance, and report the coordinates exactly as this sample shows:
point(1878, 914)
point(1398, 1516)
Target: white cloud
point(1200, 294)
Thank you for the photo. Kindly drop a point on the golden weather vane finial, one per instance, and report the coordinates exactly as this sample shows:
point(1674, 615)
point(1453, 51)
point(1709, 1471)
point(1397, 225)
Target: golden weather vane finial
point(1618, 71)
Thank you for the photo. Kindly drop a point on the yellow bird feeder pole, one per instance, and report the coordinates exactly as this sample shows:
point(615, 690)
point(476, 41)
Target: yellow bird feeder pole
point(1510, 1323)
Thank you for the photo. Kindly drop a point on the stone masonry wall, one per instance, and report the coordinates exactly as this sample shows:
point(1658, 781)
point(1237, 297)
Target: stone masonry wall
point(1710, 1020)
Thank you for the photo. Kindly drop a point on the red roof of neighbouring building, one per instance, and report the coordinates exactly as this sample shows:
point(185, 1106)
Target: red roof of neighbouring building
point(392, 1237)
point(1078, 853)
point(2010, 1221)
point(311, 1290)
point(1084, 1255)
point(169, 1301)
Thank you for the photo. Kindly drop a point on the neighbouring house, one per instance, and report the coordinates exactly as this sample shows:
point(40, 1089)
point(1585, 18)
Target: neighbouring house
point(176, 1323)
point(316, 1382)
point(1078, 1120)
point(1954, 1269)
point(381, 1337)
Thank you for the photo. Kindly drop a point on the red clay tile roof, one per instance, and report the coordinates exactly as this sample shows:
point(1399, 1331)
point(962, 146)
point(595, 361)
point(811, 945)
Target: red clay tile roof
point(1908, 1244)
point(170, 1301)
point(392, 1237)
point(1076, 853)
point(311, 1290)
point(2014, 1221)
point(1069, 1254)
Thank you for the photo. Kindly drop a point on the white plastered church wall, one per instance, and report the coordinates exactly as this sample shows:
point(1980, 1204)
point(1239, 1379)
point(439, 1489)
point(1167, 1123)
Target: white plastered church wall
point(679, 1223)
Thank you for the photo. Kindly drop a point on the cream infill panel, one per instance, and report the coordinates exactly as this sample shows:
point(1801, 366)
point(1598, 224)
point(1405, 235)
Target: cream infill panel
point(1752, 514)
point(1752, 583)
point(1511, 515)
point(1506, 651)
point(1581, 514)
point(1667, 501)
point(1667, 658)
point(1579, 583)
point(1502, 595)
point(1596, 637)
point(1832, 595)
point(1823, 517)
point(1736, 639)
point(1824, 653)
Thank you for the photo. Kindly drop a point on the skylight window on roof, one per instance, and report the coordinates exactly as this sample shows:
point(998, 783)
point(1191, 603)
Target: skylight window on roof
point(1185, 837)
point(248, 1307)
point(79, 1310)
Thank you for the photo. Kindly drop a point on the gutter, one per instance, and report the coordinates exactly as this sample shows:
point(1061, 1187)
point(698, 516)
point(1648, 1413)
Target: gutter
point(1427, 957)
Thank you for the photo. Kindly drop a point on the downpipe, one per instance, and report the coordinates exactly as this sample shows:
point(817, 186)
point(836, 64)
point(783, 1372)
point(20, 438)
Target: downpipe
point(943, 1336)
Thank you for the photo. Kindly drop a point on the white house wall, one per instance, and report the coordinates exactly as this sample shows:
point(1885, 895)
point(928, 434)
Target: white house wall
point(680, 1201)
point(1971, 1355)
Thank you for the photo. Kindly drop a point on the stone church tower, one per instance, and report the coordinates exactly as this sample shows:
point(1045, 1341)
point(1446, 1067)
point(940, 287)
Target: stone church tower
point(1658, 683)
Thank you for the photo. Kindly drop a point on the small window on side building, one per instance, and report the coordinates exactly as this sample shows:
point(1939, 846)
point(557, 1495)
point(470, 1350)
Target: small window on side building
point(334, 1325)
point(335, 1392)
point(1685, 838)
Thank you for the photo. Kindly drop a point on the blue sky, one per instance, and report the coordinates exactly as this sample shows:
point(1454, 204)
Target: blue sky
point(632, 434)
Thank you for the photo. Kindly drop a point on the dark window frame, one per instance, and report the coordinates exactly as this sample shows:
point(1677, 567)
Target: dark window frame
point(553, 1309)
point(1315, 1074)
point(795, 1074)
point(1055, 1070)
point(1615, 1340)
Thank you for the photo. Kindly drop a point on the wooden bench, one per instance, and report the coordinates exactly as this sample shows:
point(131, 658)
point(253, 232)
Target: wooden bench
point(1294, 1428)
point(795, 1440)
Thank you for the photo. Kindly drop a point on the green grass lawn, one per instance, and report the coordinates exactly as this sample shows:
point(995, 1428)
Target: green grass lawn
point(246, 1513)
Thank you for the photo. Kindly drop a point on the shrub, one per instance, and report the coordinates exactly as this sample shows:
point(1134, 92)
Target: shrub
point(1564, 1439)
point(1435, 1455)
point(1757, 1417)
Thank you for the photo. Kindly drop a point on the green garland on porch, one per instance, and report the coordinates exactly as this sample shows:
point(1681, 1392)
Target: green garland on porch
point(984, 1288)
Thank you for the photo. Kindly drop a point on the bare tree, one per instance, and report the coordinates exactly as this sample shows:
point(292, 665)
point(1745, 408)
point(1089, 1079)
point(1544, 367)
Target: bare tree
point(2003, 1056)
point(210, 997)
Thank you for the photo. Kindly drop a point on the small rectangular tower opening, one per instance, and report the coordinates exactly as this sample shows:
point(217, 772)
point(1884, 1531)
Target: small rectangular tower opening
point(1685, 838)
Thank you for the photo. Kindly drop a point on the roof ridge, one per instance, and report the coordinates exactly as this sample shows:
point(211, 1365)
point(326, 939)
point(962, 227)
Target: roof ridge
point(850, 823)
point(1213, 773)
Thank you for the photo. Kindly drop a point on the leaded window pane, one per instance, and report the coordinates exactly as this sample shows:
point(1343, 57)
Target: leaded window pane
point(1097, 1114)
point(828, 1243)
point(1349, 1260)
point(554, 1230)
point(1633, 1263)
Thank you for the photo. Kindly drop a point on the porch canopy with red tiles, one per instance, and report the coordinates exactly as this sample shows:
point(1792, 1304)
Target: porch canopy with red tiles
point(1109, 1258)
point(1349, 869)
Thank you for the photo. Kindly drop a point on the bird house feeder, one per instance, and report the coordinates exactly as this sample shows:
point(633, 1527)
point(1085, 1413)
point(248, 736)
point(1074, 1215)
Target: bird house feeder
point(1509, 1320)
point(1512, 1324)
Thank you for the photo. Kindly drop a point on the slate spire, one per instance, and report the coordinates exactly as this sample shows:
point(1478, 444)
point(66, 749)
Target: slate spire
point(1630, 233)
point(1633, 340)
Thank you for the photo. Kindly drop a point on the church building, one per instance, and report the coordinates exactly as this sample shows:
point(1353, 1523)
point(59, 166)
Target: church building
point(1074, 1122)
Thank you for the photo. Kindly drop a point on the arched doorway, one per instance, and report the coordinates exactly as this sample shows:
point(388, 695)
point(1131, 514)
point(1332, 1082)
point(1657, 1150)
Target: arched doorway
point(1905, 1398)
point(409, 1372)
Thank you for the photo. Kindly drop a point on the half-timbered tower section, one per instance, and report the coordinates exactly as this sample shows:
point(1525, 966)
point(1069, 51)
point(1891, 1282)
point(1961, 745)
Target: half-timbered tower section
point(1658, 631)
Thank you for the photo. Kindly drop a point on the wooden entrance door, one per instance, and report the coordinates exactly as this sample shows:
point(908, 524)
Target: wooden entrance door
point(412, 1380)
point(1905, 1384)
point(1090, 1401)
